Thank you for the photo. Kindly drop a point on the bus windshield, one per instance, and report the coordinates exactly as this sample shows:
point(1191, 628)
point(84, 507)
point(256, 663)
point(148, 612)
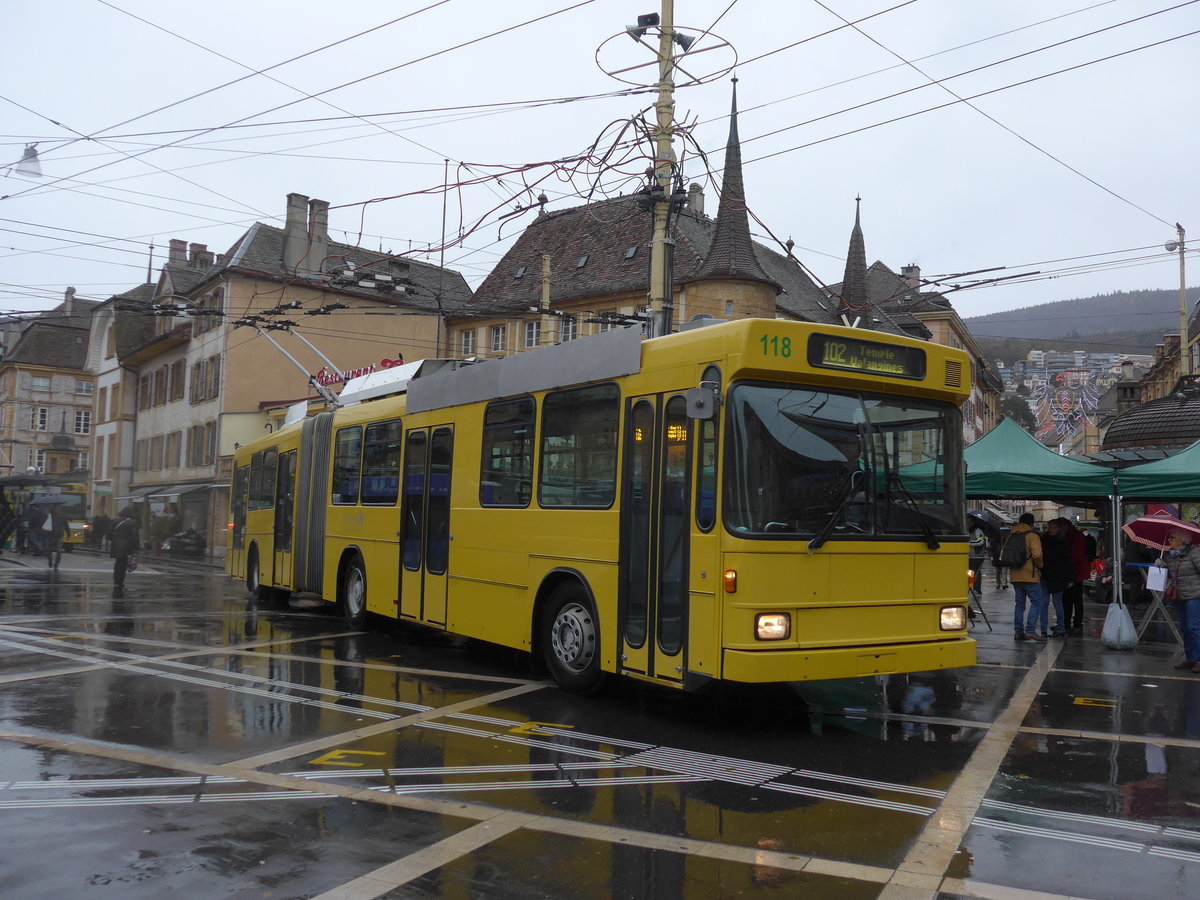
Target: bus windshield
point(810, 463)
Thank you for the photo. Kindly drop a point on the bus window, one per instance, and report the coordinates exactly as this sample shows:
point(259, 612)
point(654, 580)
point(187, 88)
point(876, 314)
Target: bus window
point(706, 481)
point(256, 462)
point(347, 464)
point(674, 527)
point(414, 501)
point(579, 447)
point(381, 463)
point(440, 450)
point(267, 489)
point(639, 516)
point(506, 471)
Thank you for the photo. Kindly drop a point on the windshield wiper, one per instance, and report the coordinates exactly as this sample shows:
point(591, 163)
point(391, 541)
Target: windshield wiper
point(891, 480)
point(851, 488)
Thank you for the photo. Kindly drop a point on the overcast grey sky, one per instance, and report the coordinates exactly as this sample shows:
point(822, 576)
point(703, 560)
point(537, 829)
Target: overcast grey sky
point(1076, 150)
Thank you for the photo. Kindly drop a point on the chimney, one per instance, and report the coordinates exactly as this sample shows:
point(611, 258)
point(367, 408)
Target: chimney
point(1127, 370)
point(69, 301)
point(201, 257)
point(295, 232)
point(318, 234)
point(695, 201)
point(911, 275)
point(177, 251)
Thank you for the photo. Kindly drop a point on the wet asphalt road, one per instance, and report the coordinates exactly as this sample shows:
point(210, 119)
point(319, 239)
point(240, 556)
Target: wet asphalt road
point(184, 739)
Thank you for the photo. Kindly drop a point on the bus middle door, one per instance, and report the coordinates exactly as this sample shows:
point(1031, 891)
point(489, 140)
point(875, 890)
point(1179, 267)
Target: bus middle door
point(654, 537)
point(425, 523)
point(285, 505)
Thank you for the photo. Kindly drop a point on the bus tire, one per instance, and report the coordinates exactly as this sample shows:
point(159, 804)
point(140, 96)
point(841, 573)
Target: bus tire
point(254, 577)
point(571, 640)
point(354, 593)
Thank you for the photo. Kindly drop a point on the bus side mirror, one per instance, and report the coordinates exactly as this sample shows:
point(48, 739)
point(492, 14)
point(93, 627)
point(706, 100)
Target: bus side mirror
point(702, 402)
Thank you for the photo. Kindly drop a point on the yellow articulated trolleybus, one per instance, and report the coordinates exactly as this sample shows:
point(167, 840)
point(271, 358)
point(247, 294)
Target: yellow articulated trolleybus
point(755, 501)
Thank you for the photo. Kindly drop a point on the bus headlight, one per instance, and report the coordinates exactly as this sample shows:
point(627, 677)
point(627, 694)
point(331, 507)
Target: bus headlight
point(773, 626)
point(953, 618)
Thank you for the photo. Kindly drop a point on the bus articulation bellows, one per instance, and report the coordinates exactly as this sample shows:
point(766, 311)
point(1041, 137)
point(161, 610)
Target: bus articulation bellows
point(755, 501)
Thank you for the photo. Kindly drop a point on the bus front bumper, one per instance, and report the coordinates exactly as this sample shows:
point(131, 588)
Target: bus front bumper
point(761, 666)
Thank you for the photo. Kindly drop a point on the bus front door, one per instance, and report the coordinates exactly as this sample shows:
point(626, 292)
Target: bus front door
point(425, 523)
point(285, 505)
point(654, 537)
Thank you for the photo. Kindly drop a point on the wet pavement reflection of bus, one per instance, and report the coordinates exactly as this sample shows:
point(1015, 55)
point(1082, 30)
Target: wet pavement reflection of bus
point(184, 737)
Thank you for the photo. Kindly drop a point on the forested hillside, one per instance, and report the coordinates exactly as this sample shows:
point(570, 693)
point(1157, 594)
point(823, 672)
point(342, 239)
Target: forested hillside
point(1124, 321)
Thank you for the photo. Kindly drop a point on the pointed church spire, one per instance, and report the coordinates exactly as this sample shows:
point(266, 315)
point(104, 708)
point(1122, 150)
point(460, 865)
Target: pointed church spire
point(854, 282)
point(731, 253)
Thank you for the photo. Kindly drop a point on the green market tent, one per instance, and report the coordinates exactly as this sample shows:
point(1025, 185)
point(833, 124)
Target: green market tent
point(1010, 462)
point(1174, 478)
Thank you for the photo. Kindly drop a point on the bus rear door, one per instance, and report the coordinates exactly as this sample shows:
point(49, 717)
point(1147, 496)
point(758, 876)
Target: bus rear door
point(654, 537)
point(425, 523)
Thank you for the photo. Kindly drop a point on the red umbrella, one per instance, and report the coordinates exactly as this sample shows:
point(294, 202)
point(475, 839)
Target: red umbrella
point(1153, 530)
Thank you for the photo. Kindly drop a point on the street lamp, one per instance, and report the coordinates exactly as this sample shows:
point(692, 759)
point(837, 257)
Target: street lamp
point(1185, 362)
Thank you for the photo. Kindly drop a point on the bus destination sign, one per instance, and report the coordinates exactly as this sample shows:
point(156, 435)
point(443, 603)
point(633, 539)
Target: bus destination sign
point(869, 357)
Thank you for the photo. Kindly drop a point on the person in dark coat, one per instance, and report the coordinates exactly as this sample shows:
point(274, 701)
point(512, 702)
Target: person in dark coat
point(1183, 565)
point(1057, 573)
point(54, 535)
point(123, 542)
point(1081, 569)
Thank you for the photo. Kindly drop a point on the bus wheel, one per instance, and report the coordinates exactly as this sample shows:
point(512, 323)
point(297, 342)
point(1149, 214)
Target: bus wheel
point(254, 578)
point(571, 640)
point(354, 593)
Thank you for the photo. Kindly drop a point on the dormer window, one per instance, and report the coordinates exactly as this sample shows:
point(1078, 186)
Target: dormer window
point(582, 261)
point(631, 253)
point(520, 273)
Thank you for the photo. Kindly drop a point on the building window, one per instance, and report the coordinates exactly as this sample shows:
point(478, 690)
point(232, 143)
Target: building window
point(82, 461)
point(40, 460)
point(156, 447)
point(110, 343)
point(605, 326)
point(160, 385)
point(83, 387)
point(102, 406)
point(145, 391)
point(210, 443)
point(174, 439)
point(39, 419)
point(40, 383)
point(110, 455)
point(533, 334)
point(83, 421)
point(178, 377)
point(199, 380)
point(214, 377)
point(467, 345)
point(498, 338)
point(570, 328)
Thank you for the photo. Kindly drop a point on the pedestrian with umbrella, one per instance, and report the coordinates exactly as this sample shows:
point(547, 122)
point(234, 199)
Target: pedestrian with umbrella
point(1176, 539)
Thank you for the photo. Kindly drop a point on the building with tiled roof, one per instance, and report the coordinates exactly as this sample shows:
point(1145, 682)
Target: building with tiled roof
point(46, 392)
point(118, 324)
point(225, 344)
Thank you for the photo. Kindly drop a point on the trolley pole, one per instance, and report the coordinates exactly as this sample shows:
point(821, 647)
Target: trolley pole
point(1185, 357)
point(664, 164)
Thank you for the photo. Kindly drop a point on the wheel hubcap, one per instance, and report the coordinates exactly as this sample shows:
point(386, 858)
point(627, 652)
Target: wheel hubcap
point(573, 637)
point(354, 593)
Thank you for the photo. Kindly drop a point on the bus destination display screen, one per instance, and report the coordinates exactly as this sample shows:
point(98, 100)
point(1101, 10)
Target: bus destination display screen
point(869, 357)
